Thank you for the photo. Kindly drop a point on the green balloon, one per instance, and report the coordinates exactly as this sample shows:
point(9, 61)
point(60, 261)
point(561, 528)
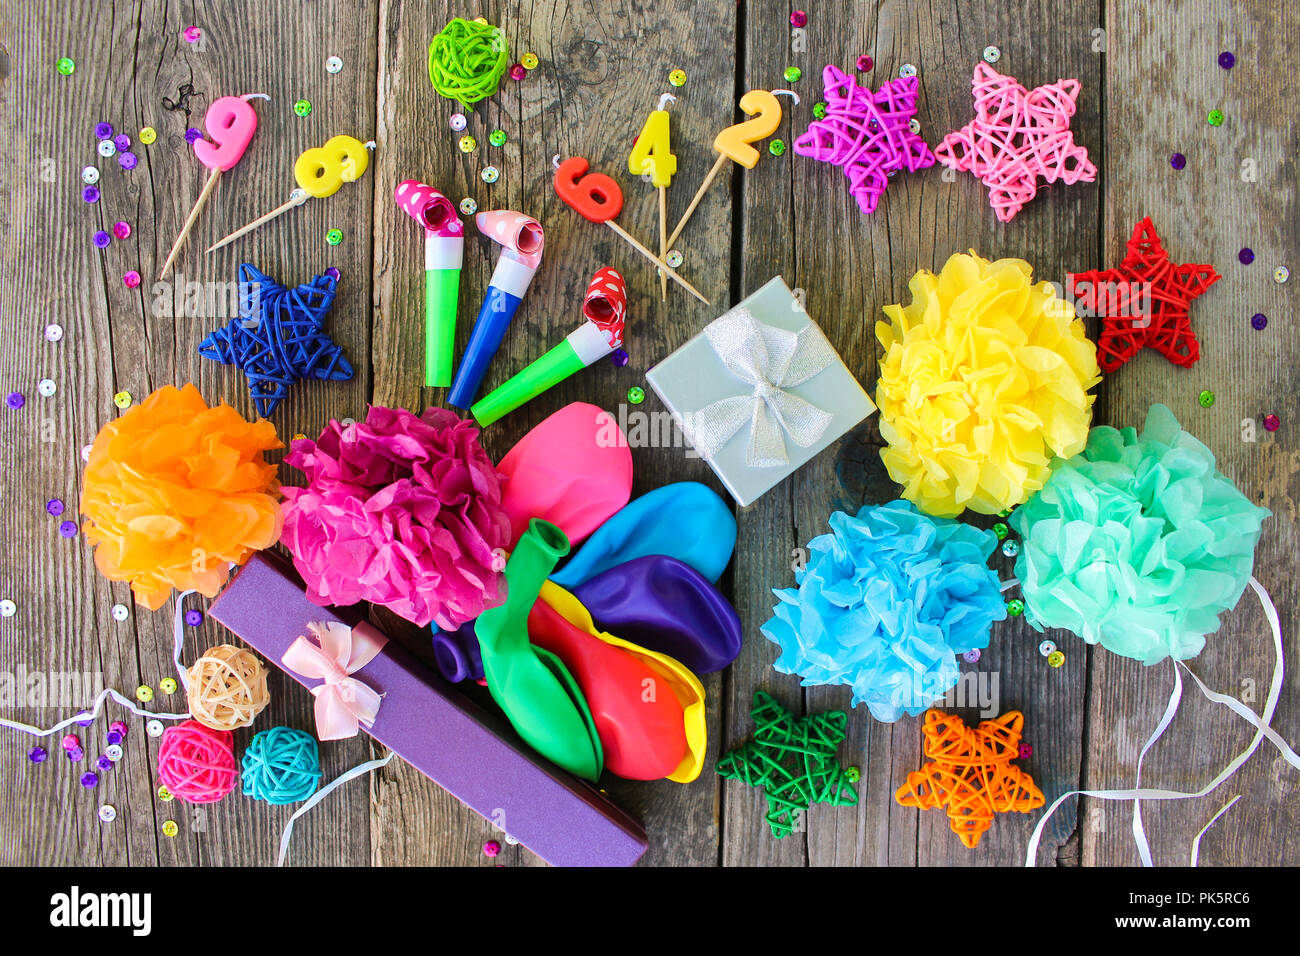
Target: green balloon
point(532, 686)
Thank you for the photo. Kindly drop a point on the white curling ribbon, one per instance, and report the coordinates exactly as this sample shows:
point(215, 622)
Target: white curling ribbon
point(1261, 723)
point(770, 361)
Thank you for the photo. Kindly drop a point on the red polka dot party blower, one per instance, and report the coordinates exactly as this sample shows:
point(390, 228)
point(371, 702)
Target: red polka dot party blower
point(605, 309)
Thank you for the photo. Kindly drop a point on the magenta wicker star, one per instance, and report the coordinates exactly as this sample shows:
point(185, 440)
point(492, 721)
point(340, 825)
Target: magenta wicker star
point(1016, 136)
point(867, 134)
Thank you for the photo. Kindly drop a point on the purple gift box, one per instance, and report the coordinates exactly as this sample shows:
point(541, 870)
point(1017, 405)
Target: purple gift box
point(440, 732)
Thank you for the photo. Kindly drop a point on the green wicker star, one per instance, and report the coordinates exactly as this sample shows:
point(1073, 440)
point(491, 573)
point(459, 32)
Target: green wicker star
point(780, 743)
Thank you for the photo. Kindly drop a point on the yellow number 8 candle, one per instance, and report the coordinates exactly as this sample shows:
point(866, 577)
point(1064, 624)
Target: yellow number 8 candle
point(319, 172)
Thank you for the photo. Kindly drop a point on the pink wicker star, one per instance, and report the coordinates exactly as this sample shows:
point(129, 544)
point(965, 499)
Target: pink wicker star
point(867, 134)
point(1017, 136)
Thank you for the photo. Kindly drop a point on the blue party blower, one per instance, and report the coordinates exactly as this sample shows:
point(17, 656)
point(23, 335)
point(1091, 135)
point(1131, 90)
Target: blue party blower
point(522, 240)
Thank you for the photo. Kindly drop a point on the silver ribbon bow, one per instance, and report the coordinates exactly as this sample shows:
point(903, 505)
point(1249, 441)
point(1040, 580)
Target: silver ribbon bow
point(771, 361)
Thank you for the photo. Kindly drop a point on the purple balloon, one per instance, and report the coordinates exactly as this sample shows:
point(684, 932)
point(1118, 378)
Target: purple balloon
point(666, 606)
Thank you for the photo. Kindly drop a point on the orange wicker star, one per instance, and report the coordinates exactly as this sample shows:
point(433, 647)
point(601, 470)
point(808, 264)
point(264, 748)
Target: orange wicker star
point(1144, 302)
point(971, 773)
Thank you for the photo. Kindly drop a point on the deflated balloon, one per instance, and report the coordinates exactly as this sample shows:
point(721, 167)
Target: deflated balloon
point(648, 707)
point(574, 470)
point(686, 521)
point(531, 685)
point(666, 606)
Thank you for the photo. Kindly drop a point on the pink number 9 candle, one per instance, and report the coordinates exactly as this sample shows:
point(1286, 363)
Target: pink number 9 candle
point(230, 123)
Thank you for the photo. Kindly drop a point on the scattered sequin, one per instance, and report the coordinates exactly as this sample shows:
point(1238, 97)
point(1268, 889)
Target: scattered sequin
point(334, 236)
point(164, 794)
point(1015, 607)
point(122, 230)
point(1011, 547)
point(101, 239)
point(333, 64)
point(302, 107)
point(37, 755)
point(1227, 60)
point(677, 77)
point(819, 110)
point(529, 61)
point(972, 656)
point(468, 206)
point(992, 54)
point(89, 779)
point(1215, 118)
point(144, 693)
point(193, 617)
point(1046, 647)
point(122, 399)
point(53, 332)
point(1206, 398)
point(907, 69)
point(65, 65)
point(798, 19)
point(1055, 659)
point(517, 72)
point(90, 194)
point(1271, 423)
point(154, 729)
point(167, 685)
point(103, 131)
point(1024, 751)
point(192, 134)
point(636, 394)
point(46, 387)
point(15, 400)
point(1259, 321)
point(192, 34)
point(467, 144)
point(147, 135)
point(54, 507)
point(792, 74)
point(497, 137)
point(120, 612)
point(619, 357)
point(106, 148)
point(90, 175)
point(122, 141)
point(131, 279)
point(108, 813)
point(1178, 160)
point(457, 121)
point(8, 608)
point(1281, 274)
point(1246, 256)
point(776, 147)
point(865, 63)
point(68, 529)
point(490, 174)
point(128, 160)
point(169, 828)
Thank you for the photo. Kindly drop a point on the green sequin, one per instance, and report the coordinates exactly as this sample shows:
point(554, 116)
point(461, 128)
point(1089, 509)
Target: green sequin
point(302, 107)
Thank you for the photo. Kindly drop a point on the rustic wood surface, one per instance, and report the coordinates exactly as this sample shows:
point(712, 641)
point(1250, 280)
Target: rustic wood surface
point(1149, 77)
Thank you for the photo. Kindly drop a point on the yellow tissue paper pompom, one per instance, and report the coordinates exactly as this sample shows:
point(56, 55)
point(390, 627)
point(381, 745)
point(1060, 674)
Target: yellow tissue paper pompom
point(984, 381)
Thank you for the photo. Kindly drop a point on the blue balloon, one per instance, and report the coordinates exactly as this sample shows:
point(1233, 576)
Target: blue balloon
point(685, 520)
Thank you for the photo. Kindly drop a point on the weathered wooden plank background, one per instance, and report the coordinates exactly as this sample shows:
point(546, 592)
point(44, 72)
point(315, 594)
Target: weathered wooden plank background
point(1149, 77)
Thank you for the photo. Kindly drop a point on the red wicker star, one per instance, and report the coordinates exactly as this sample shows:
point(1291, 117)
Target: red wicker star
point(1143, 302)
point(1016, 136)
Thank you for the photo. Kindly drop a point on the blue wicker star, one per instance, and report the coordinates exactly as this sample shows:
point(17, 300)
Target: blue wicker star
point(278, 337)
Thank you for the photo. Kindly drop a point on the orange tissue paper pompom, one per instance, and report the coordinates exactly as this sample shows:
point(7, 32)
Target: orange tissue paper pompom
point(175, 492)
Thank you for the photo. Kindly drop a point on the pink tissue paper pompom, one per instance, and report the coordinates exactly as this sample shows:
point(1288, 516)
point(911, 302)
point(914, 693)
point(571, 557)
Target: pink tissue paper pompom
point(402, 511)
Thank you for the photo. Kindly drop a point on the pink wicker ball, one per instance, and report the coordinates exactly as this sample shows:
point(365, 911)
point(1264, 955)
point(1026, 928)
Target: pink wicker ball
point(197, 763)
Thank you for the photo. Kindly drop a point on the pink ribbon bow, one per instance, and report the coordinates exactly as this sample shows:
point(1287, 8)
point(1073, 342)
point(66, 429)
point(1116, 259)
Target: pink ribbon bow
point(343, 703)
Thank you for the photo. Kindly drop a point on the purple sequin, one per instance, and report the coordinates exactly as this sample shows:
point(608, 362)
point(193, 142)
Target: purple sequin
point(1178, 160)
point(128, 160)
point(37, 755)
point(1258, 321)
point(101, 239)
point(1246, 256)
point(1227, 60)
point(103, 131)
point(89, 779)
point(192, 134)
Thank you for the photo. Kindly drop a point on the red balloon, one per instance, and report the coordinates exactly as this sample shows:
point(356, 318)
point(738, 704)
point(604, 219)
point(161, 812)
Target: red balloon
point(640, 721)
point(594, 196)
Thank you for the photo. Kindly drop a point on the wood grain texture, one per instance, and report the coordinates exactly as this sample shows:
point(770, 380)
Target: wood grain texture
point(1163, 79)
point(1148, 77)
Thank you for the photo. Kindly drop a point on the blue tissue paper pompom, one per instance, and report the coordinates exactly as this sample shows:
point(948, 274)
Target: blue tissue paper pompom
point(885, 603)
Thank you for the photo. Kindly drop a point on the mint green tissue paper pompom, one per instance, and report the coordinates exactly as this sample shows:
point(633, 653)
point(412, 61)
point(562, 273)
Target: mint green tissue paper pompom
point(1138, 543)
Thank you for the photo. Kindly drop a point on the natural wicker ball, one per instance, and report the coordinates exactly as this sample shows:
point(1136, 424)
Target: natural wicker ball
point(281, 765)
point(197, 763)
point(227, 688)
